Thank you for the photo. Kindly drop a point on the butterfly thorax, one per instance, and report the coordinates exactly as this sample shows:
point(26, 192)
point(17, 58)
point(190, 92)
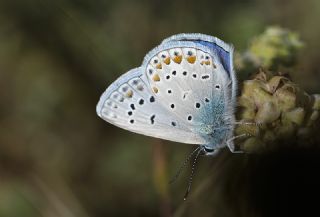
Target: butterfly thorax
point(215, 136)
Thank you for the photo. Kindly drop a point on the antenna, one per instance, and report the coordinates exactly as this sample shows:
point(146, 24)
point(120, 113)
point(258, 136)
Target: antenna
point(191, 175)
point(184, 165)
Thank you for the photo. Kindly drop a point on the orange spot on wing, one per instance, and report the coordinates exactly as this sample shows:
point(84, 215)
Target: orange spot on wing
point(156, 77)
point(177, 59)
point(167, 61)
point(207, 62)
point(129, 94)
point(159, 66)
point(155, 90)
point(191, 59)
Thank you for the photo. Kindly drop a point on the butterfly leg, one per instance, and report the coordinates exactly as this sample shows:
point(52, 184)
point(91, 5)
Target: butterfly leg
point(231, 145)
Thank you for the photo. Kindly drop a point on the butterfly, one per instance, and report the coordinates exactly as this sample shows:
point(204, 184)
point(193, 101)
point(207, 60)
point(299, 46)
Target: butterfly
point(184, 91)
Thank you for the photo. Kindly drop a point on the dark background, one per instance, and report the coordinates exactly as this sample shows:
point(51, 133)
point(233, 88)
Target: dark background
point(57, 158)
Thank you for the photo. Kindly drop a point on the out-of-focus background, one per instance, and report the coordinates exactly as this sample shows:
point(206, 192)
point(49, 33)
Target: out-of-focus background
point(57, 158)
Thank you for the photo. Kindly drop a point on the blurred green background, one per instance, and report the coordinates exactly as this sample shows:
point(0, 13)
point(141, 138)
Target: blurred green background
point(57, 158)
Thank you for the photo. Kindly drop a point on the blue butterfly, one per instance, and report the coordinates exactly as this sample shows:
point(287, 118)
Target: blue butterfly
point(184, 91)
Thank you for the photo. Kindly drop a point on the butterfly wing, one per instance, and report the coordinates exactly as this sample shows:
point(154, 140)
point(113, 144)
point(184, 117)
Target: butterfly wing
point(180, 93)
point(190, 80)
point(223, 51)
point(130, 104)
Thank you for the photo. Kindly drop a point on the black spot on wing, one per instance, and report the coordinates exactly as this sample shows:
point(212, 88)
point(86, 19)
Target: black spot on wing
point(152, 119)
point(152, 99)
